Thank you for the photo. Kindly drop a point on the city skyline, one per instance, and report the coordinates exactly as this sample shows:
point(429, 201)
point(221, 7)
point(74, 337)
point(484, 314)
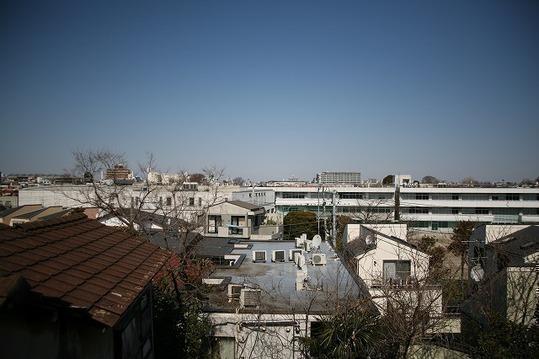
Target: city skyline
point(270, 90)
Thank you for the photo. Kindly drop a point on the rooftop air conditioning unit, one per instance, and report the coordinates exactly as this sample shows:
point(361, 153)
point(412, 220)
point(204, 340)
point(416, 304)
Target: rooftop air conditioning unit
point(307, 245)
point(278, 256)
point(292, 254)
point(250, 298)
point(299, 242)
point(259, 256)
point(234, 291)
point(319, 259)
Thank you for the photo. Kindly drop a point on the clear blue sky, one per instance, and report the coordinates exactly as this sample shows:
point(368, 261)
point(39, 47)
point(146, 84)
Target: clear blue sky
point(270, 89)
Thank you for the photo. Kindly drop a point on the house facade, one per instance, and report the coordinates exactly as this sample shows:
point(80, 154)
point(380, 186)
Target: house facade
point(238, 219)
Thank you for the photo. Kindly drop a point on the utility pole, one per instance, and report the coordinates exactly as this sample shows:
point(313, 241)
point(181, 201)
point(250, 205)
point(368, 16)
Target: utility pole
point(318, 209)
point(334, 230)
point(397, 213)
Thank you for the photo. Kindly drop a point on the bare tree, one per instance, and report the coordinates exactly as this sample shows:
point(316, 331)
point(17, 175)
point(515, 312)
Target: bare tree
point(430, 180)
point(238, 181)
point(171, 204)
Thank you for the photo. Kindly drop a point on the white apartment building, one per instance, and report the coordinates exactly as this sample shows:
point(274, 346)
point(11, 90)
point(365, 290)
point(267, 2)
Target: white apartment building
point(421, 207)
point(339, 177)
point(191, 199)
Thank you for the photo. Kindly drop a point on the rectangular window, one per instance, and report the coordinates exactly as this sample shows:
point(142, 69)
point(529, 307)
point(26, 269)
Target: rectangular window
point(293, 195)
point(236, 223)
point(200, 201)
point(213, 223)
point(455, 197)
point(191, 201)
point(512, 197)
point(495, 198)
point(169, 201)
point(396, 270)
point(351, 195)
point(481, 211)
point(418, 210)
point(421, 196)
point(455, 211)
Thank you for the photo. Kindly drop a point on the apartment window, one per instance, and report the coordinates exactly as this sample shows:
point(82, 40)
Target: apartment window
point(169, 201)
point(481, 211)
point(418, 210)
point(351, 195)
point(512, 197)
point(398, 270)
point(421, 196)
point(495, 198)
point(213, 223)
point(236, 222)
point(455, 211)
point(293, 195)
point(455, 197)
point(191, 201)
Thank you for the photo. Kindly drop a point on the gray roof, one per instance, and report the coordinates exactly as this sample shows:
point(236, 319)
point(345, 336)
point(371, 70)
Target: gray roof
point(8, 211)
point(29, 215)
point(359, 246)
point(214, 247)
point(246, 205)
point(518, 245)
point(277, 280)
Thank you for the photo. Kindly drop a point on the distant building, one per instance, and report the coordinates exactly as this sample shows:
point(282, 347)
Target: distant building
point(428, 208)
point(353, 178)
point(119, 172)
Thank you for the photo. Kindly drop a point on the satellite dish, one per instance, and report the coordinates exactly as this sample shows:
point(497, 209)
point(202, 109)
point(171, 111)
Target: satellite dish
point(477, 273)
point(316, 241)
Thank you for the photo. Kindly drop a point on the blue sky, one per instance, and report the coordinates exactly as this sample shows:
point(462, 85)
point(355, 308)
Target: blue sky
point(271, 89)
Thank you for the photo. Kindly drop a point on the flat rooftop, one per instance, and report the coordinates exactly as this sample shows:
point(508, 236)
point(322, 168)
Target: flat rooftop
point(328, 284)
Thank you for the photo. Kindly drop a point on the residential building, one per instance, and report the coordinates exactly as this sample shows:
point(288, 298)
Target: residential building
point(238, 219)
point(396, 273)
point(261, 301)
point(7, 215)
point(71, 287)
point(505, 274)
point(118, 172)
point(350, 178)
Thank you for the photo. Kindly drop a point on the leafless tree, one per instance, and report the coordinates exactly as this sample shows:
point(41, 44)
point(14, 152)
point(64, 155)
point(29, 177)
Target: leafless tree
point(168, 203)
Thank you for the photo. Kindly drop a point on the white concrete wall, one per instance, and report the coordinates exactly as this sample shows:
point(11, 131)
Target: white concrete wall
point(280, 341)
point(370, 264)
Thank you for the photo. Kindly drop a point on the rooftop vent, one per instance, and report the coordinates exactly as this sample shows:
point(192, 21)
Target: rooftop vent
point(278, 256)
point(259, 256)
point(250, 298)
point(319, 259)
point(293, 253)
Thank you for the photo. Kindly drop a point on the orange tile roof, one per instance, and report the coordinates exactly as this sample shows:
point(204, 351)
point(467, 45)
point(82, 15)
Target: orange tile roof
point(81, 262)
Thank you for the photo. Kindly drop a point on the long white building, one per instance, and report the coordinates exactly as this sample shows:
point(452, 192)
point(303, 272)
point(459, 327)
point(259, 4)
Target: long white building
point(424, 207)
point(428, 208)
